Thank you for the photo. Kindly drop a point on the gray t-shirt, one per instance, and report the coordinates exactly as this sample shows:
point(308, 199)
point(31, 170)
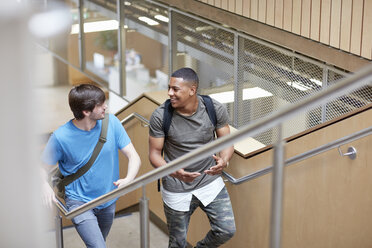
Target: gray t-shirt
point(185, 134)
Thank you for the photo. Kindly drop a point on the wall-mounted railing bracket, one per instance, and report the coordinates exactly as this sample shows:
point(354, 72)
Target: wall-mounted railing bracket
point(351, 152)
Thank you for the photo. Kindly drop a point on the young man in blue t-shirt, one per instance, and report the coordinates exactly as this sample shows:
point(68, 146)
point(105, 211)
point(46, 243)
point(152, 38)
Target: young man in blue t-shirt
point(71, 146)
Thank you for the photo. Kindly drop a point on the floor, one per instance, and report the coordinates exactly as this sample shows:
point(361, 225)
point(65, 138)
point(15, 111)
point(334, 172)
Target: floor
point(125, 232)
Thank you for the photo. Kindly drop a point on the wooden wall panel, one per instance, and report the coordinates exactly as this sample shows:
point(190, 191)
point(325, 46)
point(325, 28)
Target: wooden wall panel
point(305, 18)
point(346, 24)
point(224, 4)
point(335, 23)
point(296, 17)
point(279, 5)
point(262, 11)
point(254, 9)
point(367, 30)
point(270, 12)
point(239, 7)
point(342, 24)
point(247, 8)
point(325, 16)
point(232, 5)
point(356, 27)
point(287, 15)
point(315, 20)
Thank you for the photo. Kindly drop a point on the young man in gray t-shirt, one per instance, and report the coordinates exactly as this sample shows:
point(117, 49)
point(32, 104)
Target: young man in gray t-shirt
point(199, 185)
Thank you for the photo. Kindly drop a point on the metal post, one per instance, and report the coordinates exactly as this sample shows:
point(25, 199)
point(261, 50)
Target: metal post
point(277, 192)
point(144, 219)
point(121, 48)
point(237, 93)
point(324, 86)
point(81, 36)
point(172, 43)
point(59, 230)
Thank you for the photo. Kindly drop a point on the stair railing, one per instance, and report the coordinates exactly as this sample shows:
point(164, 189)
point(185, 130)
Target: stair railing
point(334, 144)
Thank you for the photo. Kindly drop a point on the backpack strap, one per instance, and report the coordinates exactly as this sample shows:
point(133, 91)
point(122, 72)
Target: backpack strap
point(210, 109)
point(167, 119)
point(97, 149)
point(167, 116)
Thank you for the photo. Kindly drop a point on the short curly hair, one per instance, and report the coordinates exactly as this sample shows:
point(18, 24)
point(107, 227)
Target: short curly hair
point(187, 74)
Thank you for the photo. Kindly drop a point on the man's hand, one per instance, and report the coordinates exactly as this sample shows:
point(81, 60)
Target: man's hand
point(218, 168)
point(48, 195)
point(185, 176)
point(122, 182)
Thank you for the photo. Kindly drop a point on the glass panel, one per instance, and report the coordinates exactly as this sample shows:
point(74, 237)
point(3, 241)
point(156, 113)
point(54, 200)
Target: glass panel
point(101, 42)
point(146, 26)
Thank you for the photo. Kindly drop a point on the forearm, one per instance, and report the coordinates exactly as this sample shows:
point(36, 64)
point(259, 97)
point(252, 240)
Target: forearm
point(48, 196)
point(133, 167)
point(156, 160)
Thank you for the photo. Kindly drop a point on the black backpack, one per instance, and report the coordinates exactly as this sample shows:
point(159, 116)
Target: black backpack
point(168, 113)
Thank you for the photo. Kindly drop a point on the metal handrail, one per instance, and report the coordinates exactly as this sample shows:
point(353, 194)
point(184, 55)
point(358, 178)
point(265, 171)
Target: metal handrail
point(302, 156)
point(345, 85)
point(135, 115)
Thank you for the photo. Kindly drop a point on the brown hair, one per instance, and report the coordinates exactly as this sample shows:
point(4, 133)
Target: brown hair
point(85, 97)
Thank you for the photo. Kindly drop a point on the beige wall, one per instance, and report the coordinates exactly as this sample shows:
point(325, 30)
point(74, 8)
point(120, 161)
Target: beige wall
point(327, 199)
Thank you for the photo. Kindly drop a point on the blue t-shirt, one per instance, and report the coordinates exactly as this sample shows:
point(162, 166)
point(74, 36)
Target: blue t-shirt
point(72, 147)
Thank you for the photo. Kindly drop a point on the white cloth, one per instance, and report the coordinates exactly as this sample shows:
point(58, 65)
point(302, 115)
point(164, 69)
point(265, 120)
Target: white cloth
point(181, 201)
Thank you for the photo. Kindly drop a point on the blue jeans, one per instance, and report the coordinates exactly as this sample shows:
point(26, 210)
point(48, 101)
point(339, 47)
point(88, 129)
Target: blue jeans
point(94, 225)
point(221, 219)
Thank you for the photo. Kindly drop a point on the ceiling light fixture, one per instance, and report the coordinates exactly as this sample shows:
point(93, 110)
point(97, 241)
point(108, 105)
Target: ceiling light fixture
point(299, 86)
point(248, 94)
point(162, 18)
point(149, 21)
point(99, 26)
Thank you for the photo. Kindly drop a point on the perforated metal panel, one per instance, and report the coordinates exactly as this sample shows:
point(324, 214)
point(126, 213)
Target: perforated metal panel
point(207, 47)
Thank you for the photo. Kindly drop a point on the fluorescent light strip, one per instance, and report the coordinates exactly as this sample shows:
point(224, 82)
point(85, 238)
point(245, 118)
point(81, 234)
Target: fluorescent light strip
point(149, 21)
point(162, 18)
point(299, 86)
point(248, 94)
point(254, 93)
point(99, 26)
point(223, 97)
point(316, 81)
